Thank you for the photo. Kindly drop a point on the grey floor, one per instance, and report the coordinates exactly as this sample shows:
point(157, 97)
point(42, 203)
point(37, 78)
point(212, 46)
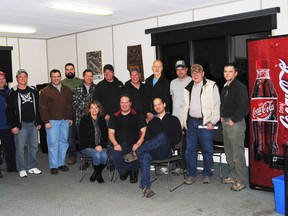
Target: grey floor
point(65, 195)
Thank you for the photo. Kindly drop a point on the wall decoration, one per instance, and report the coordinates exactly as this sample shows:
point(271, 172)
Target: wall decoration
point(134, 59)
point(94, 62)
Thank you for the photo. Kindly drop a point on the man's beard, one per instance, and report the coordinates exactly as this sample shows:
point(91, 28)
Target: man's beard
point(70, 75)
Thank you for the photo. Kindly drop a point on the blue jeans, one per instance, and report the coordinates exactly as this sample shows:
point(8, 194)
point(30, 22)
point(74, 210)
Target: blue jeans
point(98, 157)
point(156, 149)
point(71, 141)
point(195, 136)
point(117, 158)
point(57, 137)
point(27, 134)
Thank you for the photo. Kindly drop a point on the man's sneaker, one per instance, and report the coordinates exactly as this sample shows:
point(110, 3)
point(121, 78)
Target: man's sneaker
point(238, 186)
point(63, 168)
point(147, 192)
point(228, 180)
point(35, 171)
point(206, 180)
point(23, 173)
point(130, 157)
point(189, 180)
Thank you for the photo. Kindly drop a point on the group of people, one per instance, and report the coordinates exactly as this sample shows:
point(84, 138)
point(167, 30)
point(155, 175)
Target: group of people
point(129, 124)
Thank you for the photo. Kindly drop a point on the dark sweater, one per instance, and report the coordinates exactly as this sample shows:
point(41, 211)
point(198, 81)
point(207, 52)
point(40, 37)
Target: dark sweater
point(138, 97)
point(169, 124)
point(3, 122)
point(87, 132)
point(160, 90)
point(234, 101)
point(108, 94)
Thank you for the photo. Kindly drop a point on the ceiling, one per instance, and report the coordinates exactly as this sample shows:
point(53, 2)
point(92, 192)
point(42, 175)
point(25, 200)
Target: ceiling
point(51, 23)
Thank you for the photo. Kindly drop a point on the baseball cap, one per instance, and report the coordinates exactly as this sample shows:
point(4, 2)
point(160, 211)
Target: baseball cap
point(2, 74)
point(108, 67)
point(180, 63)
point(21, 71)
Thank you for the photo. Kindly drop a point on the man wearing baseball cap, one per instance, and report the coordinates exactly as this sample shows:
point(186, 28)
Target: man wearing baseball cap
point(6, 136)
point(24, 119)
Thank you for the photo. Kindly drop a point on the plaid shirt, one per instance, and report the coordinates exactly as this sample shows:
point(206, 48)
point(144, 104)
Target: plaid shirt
point(80, 100)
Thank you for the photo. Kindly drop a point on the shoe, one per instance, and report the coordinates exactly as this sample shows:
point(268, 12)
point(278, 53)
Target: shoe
point(130, 157)
point(98, 170)
point(206, 180)
point(35, 171)
point(228, 180)
point(23, 173)
point(178, 171)
point(63, 168)
point(124, 176)
point(71, 161)
point(134, 177)
point(54, 171)
point(147, 192)
point(99, 178)
point(237, 186)
point(189, 180)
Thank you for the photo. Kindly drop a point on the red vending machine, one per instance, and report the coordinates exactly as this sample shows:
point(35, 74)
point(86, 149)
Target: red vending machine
point(268, 91)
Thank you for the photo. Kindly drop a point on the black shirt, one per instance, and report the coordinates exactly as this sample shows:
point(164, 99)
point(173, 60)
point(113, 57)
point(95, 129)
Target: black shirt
point(234, 101)
point(127, 127)
point(27, 101)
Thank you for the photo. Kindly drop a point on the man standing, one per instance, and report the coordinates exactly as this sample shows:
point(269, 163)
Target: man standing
point(71, 81)
point(177, 87)
point(234, 108)
point(137, 91)
point(157, 86)
point(126, 130)
point(6, 136)
point(82, 95)
point(163, 133)
point(57, 113)
point(24, 120)
point(108, 92)
point(202, 107)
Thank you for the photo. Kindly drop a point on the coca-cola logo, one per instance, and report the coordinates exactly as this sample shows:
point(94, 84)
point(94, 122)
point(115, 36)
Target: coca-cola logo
point(283, 83)
point(264, 110)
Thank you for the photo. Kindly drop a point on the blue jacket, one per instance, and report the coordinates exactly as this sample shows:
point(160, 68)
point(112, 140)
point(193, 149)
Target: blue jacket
point(3, 122)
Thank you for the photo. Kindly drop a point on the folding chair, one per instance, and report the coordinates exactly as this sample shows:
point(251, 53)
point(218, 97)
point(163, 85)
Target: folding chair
point(167, 163)
point(83, 167)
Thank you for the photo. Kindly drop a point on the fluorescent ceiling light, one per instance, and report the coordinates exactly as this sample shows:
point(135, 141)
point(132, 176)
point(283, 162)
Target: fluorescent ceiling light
point(80, 9)
point(16, 29)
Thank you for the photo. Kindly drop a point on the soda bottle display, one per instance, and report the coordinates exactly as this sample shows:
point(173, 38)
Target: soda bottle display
point(264, 114)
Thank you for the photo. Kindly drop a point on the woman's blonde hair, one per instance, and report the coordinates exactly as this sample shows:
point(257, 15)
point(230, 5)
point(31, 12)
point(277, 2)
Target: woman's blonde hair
point(95, 102)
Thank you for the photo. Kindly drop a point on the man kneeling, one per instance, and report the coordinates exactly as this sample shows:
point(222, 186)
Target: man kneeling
point(162, 134)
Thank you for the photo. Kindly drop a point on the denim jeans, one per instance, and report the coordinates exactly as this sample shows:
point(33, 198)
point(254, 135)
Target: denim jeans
point(98, 157)
point(233, 137)
point(71, 141)
point(195, 136)
point(156, 149)
point(27, 135)
point(7, 141)
point(57, 142)
point(117, 158)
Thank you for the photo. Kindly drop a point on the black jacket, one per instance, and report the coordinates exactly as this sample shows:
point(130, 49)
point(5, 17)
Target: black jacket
point(234, 101)
point(87, 132)
point(138, 97)
point(13, 109)
point(160, 90)
point(169, 124)
point(108, 94)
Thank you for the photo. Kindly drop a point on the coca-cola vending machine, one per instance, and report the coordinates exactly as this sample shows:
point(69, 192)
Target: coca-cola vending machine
point(268, 91)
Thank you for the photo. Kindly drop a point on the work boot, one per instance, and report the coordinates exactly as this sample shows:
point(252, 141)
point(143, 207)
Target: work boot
point(99, 169)
point(94, 174)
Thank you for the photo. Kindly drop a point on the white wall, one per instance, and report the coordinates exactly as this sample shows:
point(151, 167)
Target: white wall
point(61, 51)
point(96, 40)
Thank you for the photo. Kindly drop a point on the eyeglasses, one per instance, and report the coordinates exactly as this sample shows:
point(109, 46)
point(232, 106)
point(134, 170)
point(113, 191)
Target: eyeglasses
point(55, 76)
